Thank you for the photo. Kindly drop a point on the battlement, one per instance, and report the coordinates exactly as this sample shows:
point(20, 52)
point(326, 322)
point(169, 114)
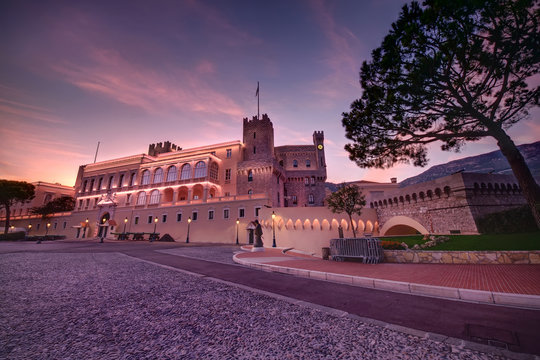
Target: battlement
point(161, 148)
point(254, 121)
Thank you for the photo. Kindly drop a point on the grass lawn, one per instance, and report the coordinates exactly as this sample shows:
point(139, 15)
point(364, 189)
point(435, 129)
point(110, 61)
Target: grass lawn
point(522, 241)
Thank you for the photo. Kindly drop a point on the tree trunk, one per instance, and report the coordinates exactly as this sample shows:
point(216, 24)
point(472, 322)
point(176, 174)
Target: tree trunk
point(352, 226)
point(531, 190)
point(8, 214)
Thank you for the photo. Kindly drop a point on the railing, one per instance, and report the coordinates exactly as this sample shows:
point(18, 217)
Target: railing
point(367, 249)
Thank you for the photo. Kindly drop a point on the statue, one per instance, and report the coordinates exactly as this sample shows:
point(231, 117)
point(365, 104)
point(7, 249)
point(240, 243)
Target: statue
point(258, 246)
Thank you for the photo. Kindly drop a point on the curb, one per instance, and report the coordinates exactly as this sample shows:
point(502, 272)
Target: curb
point(479, 296)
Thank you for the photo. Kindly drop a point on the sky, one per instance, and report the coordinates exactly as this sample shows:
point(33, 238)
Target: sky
point(131, 73)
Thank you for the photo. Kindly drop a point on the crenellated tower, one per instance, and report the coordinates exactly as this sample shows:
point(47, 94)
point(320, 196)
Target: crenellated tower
point(258, 138)
point(318, 141)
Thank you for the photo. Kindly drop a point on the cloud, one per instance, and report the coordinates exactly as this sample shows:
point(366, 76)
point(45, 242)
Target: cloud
point(155, 91)
point(28, 111)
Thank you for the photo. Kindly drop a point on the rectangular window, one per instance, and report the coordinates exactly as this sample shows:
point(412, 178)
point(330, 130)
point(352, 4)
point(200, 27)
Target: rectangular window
point(241, 212)
point(227, 193)
point(210, 214)
point(164, 218)
point(64, 225)
point(37, 227)
point(225, 213)
point(136, 220)
point(257, 210)
point(87, 203)
point(306, 181)
point(100, 183)
point(80, 204)
point(254, 149)
point(294, 200)
point(308, 163)
point(313, 180)
point(128, 199)
point(55, 225)
point(194, 215)
point(149, 219)
point(311, 199)
point(178, 217)
point(227, 174)
point(229, 153)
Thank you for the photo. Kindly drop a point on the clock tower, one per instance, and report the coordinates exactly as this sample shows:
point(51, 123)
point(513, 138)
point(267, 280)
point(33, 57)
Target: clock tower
point(318, 141)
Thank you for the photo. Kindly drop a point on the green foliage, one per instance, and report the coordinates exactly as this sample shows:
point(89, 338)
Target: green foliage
point(509, 221)
point(448, 71)
point(19, 235)
point(61, 204)
point(486, 242)
point(12, 192)
point(348, 199)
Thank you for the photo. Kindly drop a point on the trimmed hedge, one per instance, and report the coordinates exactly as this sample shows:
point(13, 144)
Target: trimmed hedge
point(516, 220)
point(19, 235)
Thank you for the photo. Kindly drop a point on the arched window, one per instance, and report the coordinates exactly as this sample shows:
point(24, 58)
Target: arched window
point(250, 192)
point(141, 198)
point(91, 185)
point(422, 195)
point(111, 179)
point(446, 191)
point(171, 173)
point(308, 163)
point(145, 177)
point(214, 169)
point(311, 199)
point(84, 186)
point(408, 198)
point(295, 163)
point(438, 192)
point(200, 170)
point(186, 172)
point(121, 181)
point(250, 175)
point(158, 176)
point(430, 194)
point(154, 197)
point(132, 180)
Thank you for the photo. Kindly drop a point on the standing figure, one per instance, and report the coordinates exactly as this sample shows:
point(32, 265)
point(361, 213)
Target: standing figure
point(258, 246)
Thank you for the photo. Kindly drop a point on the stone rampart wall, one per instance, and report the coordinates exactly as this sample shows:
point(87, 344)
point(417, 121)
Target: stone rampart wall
point(462, 257)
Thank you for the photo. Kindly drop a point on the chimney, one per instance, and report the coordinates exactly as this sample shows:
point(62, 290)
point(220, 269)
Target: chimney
point(393, 180)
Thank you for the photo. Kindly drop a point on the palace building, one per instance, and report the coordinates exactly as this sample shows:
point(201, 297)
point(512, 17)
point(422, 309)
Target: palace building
point(219, 183)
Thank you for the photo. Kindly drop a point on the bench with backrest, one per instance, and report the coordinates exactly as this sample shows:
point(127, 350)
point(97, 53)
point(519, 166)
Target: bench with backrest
point(369, 250)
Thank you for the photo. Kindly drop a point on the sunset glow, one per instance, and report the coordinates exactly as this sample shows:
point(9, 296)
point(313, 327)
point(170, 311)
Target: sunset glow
point(131, 73)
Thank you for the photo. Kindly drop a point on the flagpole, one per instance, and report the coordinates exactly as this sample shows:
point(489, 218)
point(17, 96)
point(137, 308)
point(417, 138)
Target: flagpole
point(258, 95)
point(95, 157)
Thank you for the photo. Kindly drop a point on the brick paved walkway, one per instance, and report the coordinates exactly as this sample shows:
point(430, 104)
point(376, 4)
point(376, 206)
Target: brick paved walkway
point(514, 279)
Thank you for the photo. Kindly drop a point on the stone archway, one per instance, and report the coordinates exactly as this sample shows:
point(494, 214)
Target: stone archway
point(402, 225)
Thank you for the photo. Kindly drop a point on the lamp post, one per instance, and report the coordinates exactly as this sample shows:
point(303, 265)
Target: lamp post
point(102, 231)
point(29, 228)
point(188, 223)
point(12, 227)
point(85, 227)
point(47, 230)
point(273, 230)
point(124, 233)
point(237, 223)
point(154, 233)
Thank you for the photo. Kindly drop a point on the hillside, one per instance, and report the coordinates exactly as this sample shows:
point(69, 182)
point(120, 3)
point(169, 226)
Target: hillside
point(490, 162)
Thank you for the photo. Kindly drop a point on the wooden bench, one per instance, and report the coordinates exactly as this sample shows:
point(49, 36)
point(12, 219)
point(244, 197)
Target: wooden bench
point(367, 249)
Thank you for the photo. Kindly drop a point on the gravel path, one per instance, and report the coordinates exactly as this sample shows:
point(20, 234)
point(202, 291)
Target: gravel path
point(110, 306)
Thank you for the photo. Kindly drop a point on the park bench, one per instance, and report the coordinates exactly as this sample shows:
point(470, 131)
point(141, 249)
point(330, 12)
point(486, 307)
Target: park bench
point(369, 250)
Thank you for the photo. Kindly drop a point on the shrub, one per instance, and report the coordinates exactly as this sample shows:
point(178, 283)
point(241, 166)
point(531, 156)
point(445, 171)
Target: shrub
point(509, 221)
point(19, 235)
point(391, 245)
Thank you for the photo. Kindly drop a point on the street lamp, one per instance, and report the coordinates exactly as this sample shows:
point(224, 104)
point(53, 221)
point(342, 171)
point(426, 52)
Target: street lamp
point(125, 223)
point(237, 222)
point(154, 233)
point(12, 227)
point(29, 228)
point(85, 226)
point(47, 231)
point(188, 223)
point(273, 230)
point(102, 230)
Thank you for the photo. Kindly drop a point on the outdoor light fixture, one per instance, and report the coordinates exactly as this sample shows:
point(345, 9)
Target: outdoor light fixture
point(47, 231)
point(237, 223)
point(188, 223)
point(125, 223)
point(273, 230)
point(154, 233)
point(85, 226)
point(102, 231)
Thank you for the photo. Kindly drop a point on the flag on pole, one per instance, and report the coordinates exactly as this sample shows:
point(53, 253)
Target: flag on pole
point(257, 92)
